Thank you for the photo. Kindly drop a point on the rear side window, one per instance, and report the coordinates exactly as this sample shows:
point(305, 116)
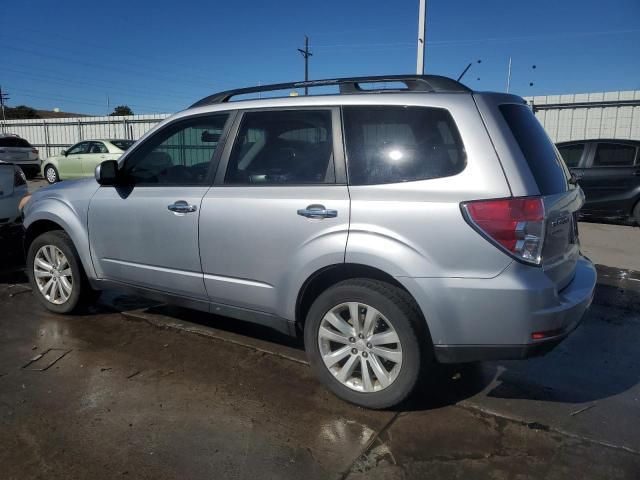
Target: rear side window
point(122, 144)
point(290, 147)
point(401, 144)
point(538, 150)
point(14, 142)
point(571, 154)
point(614, 155)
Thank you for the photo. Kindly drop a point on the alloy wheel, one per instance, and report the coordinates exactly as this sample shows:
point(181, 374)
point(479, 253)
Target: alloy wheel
point(51, 176)
point(360, 347)
point(52, 274)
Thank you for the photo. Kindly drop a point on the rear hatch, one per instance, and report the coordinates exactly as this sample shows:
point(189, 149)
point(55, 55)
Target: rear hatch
point(16, 149)
point(7, 179)
point(561, 247)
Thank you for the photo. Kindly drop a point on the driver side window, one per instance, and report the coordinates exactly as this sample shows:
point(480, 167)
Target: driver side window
point(180, 154)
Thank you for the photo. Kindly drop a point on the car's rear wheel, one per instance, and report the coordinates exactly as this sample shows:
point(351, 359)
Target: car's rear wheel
point(636, 213)
point(365, 341)
point(55, 272)
point(51, 174)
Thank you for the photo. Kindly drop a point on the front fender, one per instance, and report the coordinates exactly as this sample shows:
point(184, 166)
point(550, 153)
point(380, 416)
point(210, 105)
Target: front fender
point(73, 222)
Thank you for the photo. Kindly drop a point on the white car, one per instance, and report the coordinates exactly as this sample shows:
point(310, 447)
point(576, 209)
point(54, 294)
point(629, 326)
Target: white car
point(80, 160)
point(13, 188)
point(15, 149)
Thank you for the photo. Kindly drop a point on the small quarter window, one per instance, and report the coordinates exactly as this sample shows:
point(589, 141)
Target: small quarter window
point(401, 144)
point(572, 154)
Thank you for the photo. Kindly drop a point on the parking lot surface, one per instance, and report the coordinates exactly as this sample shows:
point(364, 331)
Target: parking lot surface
point(134, 389)
point(158, 392)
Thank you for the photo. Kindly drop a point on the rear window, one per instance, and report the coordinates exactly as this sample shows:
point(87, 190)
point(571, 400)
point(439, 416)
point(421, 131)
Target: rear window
point(538, 150)
point(14, 142)
point(123, 144)
point(401, 144)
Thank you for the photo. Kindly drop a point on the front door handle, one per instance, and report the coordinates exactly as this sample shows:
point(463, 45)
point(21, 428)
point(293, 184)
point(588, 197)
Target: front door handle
point(181, 207)
point(317, 211)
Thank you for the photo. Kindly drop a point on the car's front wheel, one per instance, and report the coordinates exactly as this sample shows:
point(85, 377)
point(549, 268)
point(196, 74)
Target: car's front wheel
point(51, 174)
point(366, 342)
point(55, 272)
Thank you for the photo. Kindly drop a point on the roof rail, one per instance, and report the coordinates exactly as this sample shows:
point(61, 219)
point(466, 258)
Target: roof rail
point(414, 83)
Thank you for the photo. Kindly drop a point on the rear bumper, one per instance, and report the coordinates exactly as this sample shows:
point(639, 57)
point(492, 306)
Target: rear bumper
point(493, 319)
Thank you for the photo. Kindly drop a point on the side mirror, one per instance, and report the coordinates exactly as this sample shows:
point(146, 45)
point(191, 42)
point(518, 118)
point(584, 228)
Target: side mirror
point(63, 152)
point(107, 173)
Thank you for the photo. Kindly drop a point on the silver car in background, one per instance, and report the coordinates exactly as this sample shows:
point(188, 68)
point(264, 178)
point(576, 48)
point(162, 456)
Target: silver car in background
point(13, 188)
point(392, 228)
point(17, 150)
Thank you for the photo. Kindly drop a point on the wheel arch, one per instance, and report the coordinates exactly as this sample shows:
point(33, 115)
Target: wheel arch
point(55, 216)
point(325, 277)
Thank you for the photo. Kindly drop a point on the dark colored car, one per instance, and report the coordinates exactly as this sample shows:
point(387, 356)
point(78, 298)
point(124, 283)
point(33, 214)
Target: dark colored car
point(609, 173)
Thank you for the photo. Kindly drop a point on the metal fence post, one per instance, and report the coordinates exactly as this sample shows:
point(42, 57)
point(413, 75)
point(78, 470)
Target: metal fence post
point(124, 126)
point(79, 130)
point(46, 137)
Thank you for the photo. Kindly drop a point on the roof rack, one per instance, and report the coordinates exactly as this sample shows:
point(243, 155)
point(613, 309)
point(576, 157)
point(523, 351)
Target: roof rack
point(414, 83)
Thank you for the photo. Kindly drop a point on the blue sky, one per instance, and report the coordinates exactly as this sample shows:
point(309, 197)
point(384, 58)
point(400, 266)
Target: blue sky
point(160, 56)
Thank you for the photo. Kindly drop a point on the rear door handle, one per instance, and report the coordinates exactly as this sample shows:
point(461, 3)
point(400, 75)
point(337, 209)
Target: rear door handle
point(181, 207)
point(317, 211)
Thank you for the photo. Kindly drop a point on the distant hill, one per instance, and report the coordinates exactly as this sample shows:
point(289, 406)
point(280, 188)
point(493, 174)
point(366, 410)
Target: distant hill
point(53, 114)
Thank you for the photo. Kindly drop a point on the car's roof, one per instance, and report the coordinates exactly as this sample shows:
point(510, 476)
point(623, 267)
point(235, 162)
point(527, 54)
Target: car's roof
point(349, 85)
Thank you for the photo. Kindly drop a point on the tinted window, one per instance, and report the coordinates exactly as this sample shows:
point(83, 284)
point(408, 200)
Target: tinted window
point(98, 147)
point(283, 147)
point(401, 144)
point(614, 154)
point(538, 150)
point(571, 154)
point(179, 154)
point(14, 142)
point(122, 144)
point(78, 148)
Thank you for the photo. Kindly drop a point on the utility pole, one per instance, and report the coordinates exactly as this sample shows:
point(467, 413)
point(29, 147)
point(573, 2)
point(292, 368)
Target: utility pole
point(422, 32)
point(3, 98)
point(509, 76)
point(306, 54)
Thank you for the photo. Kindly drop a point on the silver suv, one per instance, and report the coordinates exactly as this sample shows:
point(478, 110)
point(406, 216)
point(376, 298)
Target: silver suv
point(393, 228)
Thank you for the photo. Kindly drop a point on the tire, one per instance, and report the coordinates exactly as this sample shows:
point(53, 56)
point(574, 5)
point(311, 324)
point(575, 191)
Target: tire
point(43, 248)
point(396, 310)
point(51, 174)
point(636, 214)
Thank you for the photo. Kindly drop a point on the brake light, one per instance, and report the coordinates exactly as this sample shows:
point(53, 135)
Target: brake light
point(513, 224)
point(34, 150)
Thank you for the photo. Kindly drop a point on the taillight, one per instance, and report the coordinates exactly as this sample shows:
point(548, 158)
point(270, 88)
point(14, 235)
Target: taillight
point(34, 150)
point(513, 224)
